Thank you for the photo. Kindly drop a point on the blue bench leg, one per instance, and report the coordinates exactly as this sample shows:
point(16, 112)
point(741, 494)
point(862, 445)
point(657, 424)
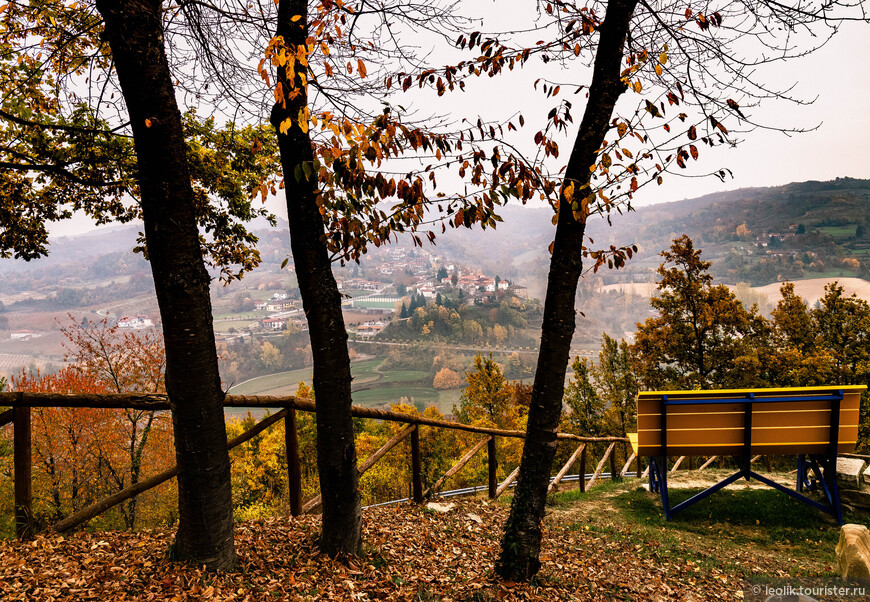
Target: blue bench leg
point(652, 475)
point(661, 464)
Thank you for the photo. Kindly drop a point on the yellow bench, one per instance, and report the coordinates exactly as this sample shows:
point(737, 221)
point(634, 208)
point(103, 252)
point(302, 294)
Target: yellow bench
point(818, 422)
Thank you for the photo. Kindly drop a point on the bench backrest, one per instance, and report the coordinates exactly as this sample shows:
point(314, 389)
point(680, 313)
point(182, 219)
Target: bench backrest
point(795, 420)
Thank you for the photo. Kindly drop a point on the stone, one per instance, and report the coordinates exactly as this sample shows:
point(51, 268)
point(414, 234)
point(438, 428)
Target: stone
point(853, 552)
point(867, 478)
point(475, 518)
point(856, 499)
point(849, 472)
point(439, 507)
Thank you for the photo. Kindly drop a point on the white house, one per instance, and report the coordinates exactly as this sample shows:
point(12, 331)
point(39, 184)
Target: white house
point(135, 322)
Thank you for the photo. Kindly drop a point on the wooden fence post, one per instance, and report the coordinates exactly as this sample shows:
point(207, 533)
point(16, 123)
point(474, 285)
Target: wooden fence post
point(707, 463)
point(768, 463)
point(582, 479)
point(493, 467)
point(600, 466)
point(507, 482)
point(614, 476)
point(639, 467)
point(625, 468)
point(416, 467)
point(22, 462)
point(294, 471)
point(566, 468)
point(456, 467)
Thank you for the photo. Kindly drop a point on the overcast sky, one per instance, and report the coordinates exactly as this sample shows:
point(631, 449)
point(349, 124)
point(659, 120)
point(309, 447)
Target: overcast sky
point(838, 75)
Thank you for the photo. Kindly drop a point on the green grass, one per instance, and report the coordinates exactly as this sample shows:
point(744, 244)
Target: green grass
point(404, 376)
point(375, 388)
point(377, 394)
point(838, 231)
point(713, 532)
point(367, 304)
point(225, 326)
point(267, 385)
point(253, 315)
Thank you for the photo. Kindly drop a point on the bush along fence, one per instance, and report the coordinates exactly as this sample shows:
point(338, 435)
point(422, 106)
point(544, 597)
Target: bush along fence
point(21, 404)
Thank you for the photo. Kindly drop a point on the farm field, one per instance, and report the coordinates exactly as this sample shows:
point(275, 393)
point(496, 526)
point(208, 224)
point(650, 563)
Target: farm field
point(811, 289)
point(371, 387)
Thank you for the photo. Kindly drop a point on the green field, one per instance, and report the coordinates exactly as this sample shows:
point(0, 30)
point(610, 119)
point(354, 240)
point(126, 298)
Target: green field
point(838, 232)
point(281, 383)
point(254, 315)
point(371, 387)
point(388, 303)
point(237, 324)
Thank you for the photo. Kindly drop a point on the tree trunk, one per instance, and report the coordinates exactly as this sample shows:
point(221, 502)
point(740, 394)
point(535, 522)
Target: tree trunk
point(521, 543)
point(133, 29)
point(336, 451)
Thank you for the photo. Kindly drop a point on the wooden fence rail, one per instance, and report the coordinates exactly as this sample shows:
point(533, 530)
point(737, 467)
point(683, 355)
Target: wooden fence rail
point(22, 402)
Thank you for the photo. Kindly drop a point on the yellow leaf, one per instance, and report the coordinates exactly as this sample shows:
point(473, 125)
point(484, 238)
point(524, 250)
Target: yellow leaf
point(362, 68)
point(658, 69)
point(147, 123)
point(568, 191)
point(285, 125)
point(663, 58)
point(637, 86)
point(295, 18)
point(303, 119)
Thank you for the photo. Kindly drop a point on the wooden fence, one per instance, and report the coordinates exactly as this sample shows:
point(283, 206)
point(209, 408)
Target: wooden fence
point(21, 404)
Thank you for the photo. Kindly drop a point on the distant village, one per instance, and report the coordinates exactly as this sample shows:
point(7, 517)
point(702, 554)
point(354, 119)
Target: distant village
point(375, 294)
point(425, 274)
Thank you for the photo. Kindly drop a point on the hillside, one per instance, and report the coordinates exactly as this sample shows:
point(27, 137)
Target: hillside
point(810, 231)
point(756, 235)
point(809, 290)
point(834, 216)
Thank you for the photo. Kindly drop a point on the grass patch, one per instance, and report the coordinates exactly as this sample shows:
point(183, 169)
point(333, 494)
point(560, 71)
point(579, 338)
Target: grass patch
point(270, 383)
point(569, 497)
point(841, 232)
point(716, 530)
point(378, 394)
point(761, 517)
point(248, 315)
point(392, 376)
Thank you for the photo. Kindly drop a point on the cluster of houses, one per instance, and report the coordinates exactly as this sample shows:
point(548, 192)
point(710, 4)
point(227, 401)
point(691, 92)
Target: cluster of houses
point(398, 261)
point(135, 322)
point(482, 289)
point(279, 322)
point(359, 284)
point(274, 306)
point(420, 269)
point(370, 329)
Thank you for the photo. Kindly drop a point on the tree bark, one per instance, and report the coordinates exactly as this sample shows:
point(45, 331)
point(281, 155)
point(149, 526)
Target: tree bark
point(336, 451)
point(521, 543)
point(134, 32)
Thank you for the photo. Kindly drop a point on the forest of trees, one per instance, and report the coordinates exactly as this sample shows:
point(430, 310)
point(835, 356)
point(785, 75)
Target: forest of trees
point(507, 323)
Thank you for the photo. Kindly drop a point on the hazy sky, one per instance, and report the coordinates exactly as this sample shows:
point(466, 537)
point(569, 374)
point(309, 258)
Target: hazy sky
point(838, 74)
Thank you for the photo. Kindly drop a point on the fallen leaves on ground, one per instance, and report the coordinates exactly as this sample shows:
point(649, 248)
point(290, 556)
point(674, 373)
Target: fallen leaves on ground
point(409, 554)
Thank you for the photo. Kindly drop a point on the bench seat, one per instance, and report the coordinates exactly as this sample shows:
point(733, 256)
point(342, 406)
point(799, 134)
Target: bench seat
point(814, 423)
